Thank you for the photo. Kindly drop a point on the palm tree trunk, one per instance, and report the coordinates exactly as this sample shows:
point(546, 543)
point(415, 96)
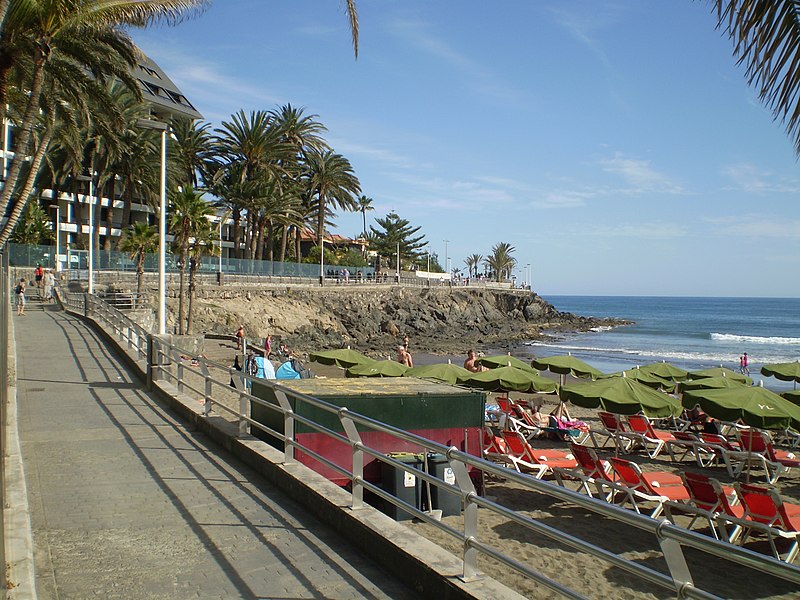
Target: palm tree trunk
point(237, 233)
point(26, 132)
point(182, 286)
point(284, 243)
point(110, 213)
point(297, 245)
point(22, 199)
point(127, 201)
point(270, 240)
point(192, 277)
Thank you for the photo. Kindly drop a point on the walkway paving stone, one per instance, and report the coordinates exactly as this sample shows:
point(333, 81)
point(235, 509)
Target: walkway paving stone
point(127, 503)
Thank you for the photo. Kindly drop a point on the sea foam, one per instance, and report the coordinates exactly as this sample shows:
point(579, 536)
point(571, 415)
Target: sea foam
point(754, 339)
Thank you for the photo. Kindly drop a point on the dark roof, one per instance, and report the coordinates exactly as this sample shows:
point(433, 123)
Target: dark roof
point(159, 91)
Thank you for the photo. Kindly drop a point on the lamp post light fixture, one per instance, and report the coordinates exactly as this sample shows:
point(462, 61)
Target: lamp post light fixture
point(162, 222)
point(57, 227)
point(90, 284)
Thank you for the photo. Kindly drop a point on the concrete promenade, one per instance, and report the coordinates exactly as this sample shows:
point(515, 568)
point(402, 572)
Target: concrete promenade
point(125, 502)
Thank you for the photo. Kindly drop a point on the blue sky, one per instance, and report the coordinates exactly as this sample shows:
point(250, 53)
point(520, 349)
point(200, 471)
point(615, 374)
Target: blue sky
point(614, 144)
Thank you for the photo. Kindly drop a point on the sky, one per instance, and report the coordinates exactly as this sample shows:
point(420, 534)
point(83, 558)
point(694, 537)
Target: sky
point(615, 144)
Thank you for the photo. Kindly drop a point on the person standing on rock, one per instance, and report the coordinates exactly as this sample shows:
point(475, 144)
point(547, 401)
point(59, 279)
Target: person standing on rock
point(404, 357)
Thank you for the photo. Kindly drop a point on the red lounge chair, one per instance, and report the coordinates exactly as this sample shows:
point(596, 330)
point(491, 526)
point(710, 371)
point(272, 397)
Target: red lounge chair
point(591, 471)
point(756, 448)
point(613, 429)
point(768, 514)
point(539, 462)
point(648, 436)
point(682, 445)
point(658, 487)
point(705, 500)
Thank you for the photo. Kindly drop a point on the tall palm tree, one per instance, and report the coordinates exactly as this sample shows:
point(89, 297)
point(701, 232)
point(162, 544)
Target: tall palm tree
point(191, 151)
point(500, 261)
point(331, 182)
point(365, 205)
point(73, 30)
point(139, 240)
point(202, 244)
point(188, 213)
point(472, 262)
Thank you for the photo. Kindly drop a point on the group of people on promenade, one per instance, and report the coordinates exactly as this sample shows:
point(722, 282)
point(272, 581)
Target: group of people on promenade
point(43, 280)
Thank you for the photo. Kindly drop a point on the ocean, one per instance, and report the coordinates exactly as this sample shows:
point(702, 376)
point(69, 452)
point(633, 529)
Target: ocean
point(692, 333)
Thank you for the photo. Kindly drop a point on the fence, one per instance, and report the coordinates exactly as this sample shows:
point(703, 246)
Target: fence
point(30, 256)
point(209, 381)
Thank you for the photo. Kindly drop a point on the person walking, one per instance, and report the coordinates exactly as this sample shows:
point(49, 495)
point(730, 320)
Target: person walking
point(745, 364)
point(48, 280)
point(20, 291)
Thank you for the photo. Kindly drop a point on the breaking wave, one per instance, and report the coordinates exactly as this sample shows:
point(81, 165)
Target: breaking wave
point(755, 339)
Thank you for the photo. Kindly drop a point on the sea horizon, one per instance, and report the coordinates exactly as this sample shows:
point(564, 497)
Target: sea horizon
point(692, 332)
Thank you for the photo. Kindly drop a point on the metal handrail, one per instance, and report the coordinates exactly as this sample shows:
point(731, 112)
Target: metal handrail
point(670, 537)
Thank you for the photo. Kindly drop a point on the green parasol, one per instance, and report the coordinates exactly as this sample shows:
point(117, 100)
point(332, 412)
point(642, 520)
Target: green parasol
point(621, 395)
point(665, 370)
point(377, 368)
point(711, 383)
point(505, 360)
point(756, 406)
point(566, 365)
point(720, 372)
point(648, 379)
point(509, 379)
point(783, 371)
point(793, 397)
point(341, 357)
point(446, 372)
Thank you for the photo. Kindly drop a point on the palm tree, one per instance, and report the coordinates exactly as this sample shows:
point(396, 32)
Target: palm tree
point(188, 214)
point(202, 244)
point(472, 262)
point(40, 33)
point(140, 240)
point(500, 261)
point(191, 151)
point(330, 181)
point(364, 205)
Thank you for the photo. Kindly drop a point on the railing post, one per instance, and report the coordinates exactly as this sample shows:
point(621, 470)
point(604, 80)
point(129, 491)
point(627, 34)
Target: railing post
point(86, 305)
point(350, 429)
point(152, 358)
point(207, 397)
point(676, 561)
point(288, 426)
point(176, 357)
point(464, 482)
point(244, 426)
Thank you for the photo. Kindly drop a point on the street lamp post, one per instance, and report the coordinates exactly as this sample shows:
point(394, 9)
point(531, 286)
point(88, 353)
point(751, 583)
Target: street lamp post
point(90, 284)
point(57, 227)
point(162, 223)
point(445, 252)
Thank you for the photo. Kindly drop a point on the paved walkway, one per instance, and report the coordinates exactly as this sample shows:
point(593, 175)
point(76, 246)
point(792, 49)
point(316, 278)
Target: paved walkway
point(126, 503)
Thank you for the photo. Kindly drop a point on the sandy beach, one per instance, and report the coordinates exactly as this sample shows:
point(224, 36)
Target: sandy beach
point(585, 574)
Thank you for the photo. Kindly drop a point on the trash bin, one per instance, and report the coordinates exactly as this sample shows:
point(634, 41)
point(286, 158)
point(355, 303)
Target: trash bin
point(402, 484)
point(441, 497)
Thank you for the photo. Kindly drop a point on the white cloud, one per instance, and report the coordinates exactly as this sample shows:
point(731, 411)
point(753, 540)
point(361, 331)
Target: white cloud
point(756, 226)
point(639, 175)
point(751, 178)
point(646, 231)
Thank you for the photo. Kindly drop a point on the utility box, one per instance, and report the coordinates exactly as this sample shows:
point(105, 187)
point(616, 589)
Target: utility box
point(447, 414)
point(403, 484)
point(441, 497)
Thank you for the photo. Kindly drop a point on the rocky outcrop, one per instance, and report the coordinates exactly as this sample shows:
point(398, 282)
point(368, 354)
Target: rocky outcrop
point(376, 318)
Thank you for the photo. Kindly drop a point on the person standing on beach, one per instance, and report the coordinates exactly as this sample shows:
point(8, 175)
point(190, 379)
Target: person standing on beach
point(267, 346)
point(745, 362)
point(404, 357)
point(48, 280)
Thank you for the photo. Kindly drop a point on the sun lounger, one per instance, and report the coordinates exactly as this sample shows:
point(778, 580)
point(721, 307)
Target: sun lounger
point(591, 471)
point(537, 461)
point(681, 445)
point(613, 429)
point(706, 501)
point(658, 487)
point(756, 449)
point(766, 513)
point(649, 437)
